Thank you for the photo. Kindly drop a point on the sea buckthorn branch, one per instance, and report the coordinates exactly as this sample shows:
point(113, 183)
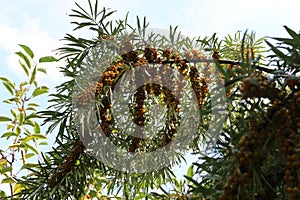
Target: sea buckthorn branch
point(67, 166)
point(278, 126)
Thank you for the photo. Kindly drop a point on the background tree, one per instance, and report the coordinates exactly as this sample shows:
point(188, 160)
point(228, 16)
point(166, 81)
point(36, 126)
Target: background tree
point(23, 133)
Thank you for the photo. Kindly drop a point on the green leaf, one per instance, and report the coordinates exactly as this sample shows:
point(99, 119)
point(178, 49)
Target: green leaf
point(27, 139)
point(9, 88)
point(40, 90)
point(4, 79)
point(276, 51)
point(5, 169)
point(18, 130)
point(25, 68)
point(5, 119)
point(27, 50)
point(41, 69)
point(37, 128)
point(21, 118)
point(43, 143)
point(32, 148)
point(24, 83)
point(190, 173)
point(29, 155)
point(47, 59)
point(39, 136)
point(293, 34)
point(14, 146)
point(25, 59)
point(33, 137)
point(8, 134)
point(31, 108)
point(7, 101)
point(8, 180)
point(32, 79)
point(30, 166)
point(17, 188)
point(33, 104)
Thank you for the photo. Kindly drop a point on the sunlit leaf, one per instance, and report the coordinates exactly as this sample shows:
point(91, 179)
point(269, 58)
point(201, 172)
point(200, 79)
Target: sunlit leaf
point(33, 104)
point(47, 59)
point(25, 68)
point(24, 58)
point(37, 128)
point(5, 169)
point(17, 188)
point(40, 90)
point(8, 134)
point(27, 50)
point(9, 88)
point(32, 148)
point(43, 70)
point(8, 180)
point(13, 146)
point(32, 78)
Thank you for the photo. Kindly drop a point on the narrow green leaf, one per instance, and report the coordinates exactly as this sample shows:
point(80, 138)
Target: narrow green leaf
point(32, 148)
point(293, 34)
point(39, 136)
point(24, 58)
point(9, 88)
point(25, 68)
point(33, 104)
point(29, 155)
point(276, 51)
point(7, 101)
point(18, 130)
point(41, 69)
point(31, 108)
point(30, 166)
point(47, 59)
point(15, 146)
point(5, 169)
point(40, 90)
point(32, 79)
point(8, 180)
point(8, 134)
point(27, 139)
point(21, 118)
point(190, 173)
point(27, 50)
point(5, 119)
point(5, 80)
point(37, 128)
point(43, 143)
point(29, 122)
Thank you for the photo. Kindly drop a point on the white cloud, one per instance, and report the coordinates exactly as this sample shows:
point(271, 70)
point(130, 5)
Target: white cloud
point(38, 40)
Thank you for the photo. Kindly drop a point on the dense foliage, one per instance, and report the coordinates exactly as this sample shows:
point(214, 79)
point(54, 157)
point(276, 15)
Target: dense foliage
point(253, 153)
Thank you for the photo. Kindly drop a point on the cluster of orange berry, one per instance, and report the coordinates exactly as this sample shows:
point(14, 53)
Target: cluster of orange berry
point(287, 135)
point(278, 127)
point(67, 166)
point(151, 55)
point(134, 58)
point(88, 95)
point(194, 55)
point(259, 86)
point(199, 85)
point(293, 83)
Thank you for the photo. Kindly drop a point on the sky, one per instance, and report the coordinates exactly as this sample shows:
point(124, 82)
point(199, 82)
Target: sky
point(40, 24)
